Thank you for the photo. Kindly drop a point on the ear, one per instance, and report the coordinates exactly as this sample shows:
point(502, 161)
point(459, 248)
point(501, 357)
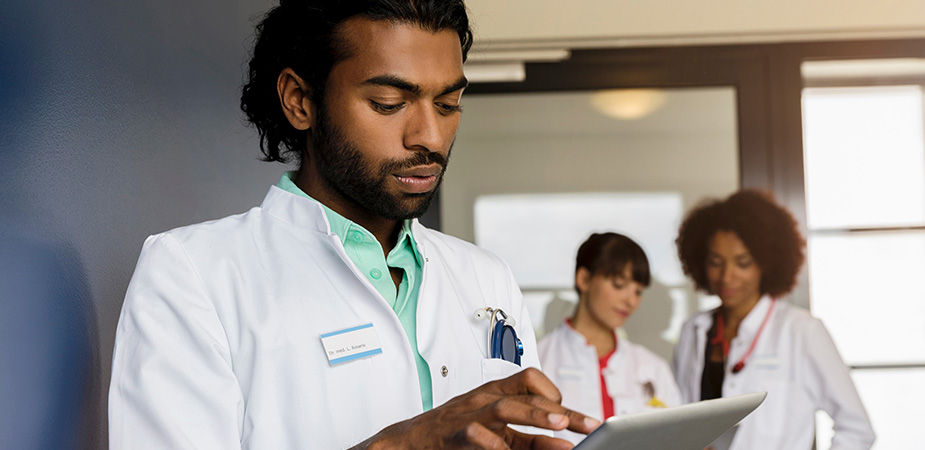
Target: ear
point(582, 280)
point(295, 99)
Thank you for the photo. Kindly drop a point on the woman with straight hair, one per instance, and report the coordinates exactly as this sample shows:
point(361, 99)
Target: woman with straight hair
point(598, 373)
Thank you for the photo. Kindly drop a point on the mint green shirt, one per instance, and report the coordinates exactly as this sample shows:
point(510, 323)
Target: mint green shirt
point(364, 250)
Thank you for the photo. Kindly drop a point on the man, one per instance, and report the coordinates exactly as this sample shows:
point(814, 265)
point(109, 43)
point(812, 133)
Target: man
point(327, 317)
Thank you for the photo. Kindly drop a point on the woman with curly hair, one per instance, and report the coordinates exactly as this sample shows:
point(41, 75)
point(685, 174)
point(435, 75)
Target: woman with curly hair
point(748, 250)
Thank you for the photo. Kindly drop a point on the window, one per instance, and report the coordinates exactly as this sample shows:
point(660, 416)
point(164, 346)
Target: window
point(864, 157)
point(539, 234)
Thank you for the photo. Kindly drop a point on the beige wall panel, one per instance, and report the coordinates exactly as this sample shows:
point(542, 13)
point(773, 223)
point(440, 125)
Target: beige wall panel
point(632, 22)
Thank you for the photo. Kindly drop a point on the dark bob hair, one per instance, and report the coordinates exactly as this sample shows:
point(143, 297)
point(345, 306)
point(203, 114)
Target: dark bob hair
point(768, 231)
point(608, 254)
point(303, 35)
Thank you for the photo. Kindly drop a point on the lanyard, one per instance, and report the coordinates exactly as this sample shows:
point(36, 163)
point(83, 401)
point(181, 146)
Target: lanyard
point(721, 329)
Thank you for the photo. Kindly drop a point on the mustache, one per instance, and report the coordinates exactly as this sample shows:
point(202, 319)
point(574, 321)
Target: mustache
point(418, 159)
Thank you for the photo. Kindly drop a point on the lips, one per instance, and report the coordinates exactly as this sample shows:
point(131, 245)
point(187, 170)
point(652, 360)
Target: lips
point(421, 171)
point(420, 179)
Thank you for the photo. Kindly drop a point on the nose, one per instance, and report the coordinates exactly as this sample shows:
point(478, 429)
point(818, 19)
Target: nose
point(423, 131)
point(727, 274)
point(635, 299)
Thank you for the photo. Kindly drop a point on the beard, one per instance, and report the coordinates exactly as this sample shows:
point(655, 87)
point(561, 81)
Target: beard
point(343, 168)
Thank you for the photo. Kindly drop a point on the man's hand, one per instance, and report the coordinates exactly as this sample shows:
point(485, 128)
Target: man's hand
point(480, 418)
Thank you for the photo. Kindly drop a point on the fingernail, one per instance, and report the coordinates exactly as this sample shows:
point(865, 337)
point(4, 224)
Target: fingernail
point(592, 423)
point(556, 419)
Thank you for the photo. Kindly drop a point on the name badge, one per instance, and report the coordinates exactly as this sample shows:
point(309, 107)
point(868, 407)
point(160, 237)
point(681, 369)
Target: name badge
point(767, 362)
point(570, 373)
point(350, 344)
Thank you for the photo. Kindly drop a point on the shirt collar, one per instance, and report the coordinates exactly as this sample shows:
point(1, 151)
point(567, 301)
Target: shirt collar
point(340, 225)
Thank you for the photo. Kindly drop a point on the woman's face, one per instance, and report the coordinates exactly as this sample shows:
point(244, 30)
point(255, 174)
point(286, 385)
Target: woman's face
point(611, 299)
point(731, 271)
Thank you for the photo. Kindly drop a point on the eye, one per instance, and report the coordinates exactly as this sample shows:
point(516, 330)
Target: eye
point(385, 108)
point(446, 108)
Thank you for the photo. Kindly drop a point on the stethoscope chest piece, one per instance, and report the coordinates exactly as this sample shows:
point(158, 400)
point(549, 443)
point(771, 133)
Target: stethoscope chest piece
point(503, 341)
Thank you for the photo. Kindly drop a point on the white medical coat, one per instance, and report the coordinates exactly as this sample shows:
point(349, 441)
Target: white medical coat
point(796, 363)
point(218, 345)
point(572, 364)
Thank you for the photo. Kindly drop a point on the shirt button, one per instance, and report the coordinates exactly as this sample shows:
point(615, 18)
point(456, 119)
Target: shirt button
point(375, 273)
point(356, 236)
point(444, 371)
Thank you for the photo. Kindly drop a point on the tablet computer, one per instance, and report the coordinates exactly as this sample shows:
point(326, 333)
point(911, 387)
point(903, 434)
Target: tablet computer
point(687, 427)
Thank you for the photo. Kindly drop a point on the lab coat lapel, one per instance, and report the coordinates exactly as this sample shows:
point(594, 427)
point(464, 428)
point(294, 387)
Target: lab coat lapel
point(747, 330)
point(617, 386)
point(443, 320)
point(702, 324)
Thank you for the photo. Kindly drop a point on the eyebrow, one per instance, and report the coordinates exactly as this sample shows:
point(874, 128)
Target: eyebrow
point(404, 85)
point(739, 256)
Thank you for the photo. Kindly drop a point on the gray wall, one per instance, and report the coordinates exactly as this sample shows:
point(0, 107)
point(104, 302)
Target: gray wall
point(120, 119)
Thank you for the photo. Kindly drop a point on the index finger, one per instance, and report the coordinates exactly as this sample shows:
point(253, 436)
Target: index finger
point(529, 381)
point(577, 421)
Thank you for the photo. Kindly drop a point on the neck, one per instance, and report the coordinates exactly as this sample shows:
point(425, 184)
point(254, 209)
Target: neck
point(312, 183)
point(735, 314)
point(594, 331)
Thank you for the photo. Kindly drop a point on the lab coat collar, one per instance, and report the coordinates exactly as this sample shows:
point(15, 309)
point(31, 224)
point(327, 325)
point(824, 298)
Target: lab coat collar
point(303, 211)
point(703, 321)
point(419, 234)
point(296, 210)
point(578, 340)
point(575, 339)
point(752, 321)
point(749, 325)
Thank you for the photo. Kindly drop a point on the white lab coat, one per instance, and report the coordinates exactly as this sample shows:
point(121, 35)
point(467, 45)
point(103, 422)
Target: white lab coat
point(572, 364)
point(218, 345)
point(796, 363)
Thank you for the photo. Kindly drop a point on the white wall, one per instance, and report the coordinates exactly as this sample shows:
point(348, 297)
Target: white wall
point(524, 23)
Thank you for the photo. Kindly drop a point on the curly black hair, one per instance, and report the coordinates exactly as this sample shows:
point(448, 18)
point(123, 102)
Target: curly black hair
point(769, 231)
point(302, 35)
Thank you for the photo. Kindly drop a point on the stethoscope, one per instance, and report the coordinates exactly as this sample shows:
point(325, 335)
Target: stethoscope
point(503, 342)
point(721, 328)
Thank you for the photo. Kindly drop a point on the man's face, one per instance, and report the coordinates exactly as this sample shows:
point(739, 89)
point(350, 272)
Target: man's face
point(390, 112)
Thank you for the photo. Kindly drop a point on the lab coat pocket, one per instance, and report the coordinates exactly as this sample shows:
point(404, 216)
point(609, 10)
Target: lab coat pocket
point(497, 368)
point(772, 414)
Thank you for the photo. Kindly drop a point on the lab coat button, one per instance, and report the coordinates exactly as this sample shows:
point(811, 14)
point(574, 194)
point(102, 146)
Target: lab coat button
point(444, 371)
point(375, 273)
